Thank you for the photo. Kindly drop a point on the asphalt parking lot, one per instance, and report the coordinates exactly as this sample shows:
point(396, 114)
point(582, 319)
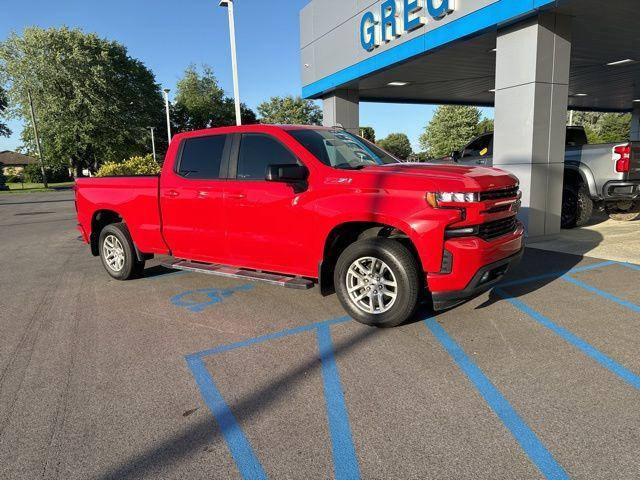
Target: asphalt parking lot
point(181, 375)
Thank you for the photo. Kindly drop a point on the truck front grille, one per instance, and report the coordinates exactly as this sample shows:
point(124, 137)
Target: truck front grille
point(498, 194)
point(491, 230)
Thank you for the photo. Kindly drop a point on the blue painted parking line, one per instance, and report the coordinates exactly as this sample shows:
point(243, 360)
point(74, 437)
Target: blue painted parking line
point(240, 448)
point(345, 462)
point(632, 266)
point(344, 457)
point(545, 276)
point(604, 360)
point(270, 336)
point(602, 293)
point(523, 434)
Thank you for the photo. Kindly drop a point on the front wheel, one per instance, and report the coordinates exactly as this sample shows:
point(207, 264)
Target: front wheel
point(377, 282)
point(624, 211)
point(118, 254)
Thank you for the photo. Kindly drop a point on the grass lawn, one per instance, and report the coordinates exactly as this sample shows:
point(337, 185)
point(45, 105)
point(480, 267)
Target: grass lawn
point(35, 187)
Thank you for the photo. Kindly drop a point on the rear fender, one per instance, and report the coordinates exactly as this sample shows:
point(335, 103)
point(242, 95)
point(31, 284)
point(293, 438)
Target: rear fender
point(101, 219)
point(586, 175)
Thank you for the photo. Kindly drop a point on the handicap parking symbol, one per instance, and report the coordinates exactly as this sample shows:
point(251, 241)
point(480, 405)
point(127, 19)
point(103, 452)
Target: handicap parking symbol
point(199, 300)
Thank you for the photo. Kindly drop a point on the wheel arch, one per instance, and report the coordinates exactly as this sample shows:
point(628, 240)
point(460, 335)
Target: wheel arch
point(348, 232)
point(99, 220)
point(577, 174)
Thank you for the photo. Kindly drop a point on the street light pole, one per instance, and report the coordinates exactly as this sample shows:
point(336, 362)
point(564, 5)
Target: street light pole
point(166, 107)
point(35, 132)
point(234, 60)
point(153, 144)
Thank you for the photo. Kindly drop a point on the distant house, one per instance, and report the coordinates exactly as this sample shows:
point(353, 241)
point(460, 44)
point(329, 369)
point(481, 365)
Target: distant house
point(13, 162)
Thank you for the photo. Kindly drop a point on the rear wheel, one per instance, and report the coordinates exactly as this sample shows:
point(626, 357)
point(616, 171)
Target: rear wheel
point(377, 282)
point(118, 254)
point(624, 211)
point(577, 206)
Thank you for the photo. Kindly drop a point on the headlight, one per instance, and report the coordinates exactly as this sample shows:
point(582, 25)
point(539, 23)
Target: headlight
point(439, 198)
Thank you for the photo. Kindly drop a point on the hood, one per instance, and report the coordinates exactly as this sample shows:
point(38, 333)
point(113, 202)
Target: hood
point(469, 178)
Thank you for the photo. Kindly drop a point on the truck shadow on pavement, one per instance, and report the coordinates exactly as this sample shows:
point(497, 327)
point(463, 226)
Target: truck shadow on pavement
point(158, 271)
point(539, 268)
point(206, 431)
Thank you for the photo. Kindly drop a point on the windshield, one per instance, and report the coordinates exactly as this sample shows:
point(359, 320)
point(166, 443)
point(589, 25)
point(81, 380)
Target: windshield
point(340, 149)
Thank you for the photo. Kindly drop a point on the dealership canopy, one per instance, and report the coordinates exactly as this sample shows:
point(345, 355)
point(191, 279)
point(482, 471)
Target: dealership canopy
point(531, 59)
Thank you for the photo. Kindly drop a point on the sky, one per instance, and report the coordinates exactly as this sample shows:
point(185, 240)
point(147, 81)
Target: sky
point(168, 36)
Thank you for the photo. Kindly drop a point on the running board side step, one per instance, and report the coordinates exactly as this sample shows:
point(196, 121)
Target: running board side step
point(234, 272)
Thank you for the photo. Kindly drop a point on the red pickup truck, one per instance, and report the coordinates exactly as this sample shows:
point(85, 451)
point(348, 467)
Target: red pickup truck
point(298, 206)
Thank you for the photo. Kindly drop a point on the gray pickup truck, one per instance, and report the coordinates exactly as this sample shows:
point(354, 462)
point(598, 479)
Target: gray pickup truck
point(604, 176)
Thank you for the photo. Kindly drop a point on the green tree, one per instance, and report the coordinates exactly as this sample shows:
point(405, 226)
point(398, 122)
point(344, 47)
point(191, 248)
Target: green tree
point(201, 103)
point(93, 101)
point(614, 127)
point(368, 133)
point(4, 130)
point(290, 110)
point(451, 127)
point(397, 144)
point(485, 126)
point(604, 127)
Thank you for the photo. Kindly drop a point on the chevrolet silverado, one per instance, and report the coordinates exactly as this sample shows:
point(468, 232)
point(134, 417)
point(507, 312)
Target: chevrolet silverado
point(298, 206)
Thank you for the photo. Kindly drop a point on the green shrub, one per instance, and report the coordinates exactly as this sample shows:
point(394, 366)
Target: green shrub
point(55, 173)
point(3, 179)
point(133, 166)
point(15, 178)
point(32, 173)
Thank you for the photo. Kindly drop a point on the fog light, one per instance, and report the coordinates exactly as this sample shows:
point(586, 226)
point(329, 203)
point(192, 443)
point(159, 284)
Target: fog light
point(485, 277)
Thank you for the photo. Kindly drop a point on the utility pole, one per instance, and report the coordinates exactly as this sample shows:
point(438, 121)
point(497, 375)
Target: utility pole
point(153, 144)
point(234, 61)
point(166, 107)
point(35, 132)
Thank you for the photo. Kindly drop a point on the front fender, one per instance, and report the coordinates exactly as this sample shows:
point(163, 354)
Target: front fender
point(426, 234)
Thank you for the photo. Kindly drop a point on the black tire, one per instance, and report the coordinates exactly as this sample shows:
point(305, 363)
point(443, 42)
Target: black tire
point(624, 211)
point(131, 267)
point(403, 266)
point(577, 206)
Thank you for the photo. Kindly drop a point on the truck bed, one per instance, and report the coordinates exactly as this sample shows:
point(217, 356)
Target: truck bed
point(135, 198)
point(596, 160)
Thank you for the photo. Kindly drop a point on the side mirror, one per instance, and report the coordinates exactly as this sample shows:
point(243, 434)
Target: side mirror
point(456, 155)
point(289, 173)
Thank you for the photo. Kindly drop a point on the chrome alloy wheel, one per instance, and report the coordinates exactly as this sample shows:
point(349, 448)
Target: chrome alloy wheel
point(371, 285)
point(113, 253)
